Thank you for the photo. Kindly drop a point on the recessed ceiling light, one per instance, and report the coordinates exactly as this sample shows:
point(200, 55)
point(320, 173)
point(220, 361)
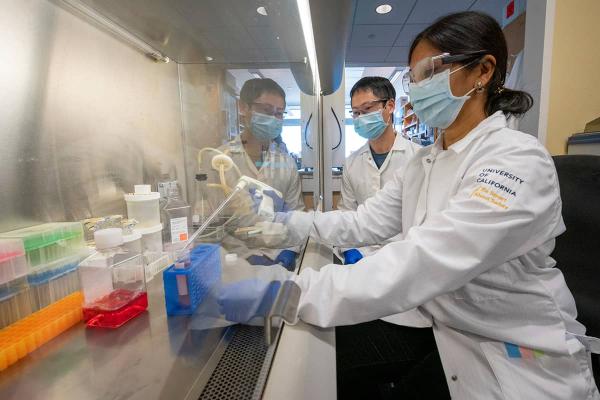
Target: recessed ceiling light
point(383, 9)
point(209, 58)
point(261, 10)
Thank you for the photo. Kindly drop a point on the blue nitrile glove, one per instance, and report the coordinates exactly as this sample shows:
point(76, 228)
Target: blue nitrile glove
point(287, 258)
point(278, 203)
point(260, 260)
point(352, 256)
point(247, 299)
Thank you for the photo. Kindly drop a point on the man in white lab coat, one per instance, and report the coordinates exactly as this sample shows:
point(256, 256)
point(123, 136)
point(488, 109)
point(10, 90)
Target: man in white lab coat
point(370, 167)
point(259, 152)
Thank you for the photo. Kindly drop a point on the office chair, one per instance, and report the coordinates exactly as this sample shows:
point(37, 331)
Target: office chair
point(577, 251)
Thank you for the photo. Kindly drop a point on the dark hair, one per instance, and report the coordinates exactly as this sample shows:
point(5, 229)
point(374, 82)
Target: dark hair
point(472, 31)
point(381, 87)
point(254, 88)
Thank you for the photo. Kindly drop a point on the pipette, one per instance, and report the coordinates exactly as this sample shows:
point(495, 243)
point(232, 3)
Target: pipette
point(265, 209)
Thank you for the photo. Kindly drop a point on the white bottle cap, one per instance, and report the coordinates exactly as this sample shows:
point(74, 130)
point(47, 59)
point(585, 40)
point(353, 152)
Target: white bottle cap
point(107, 238)
point(142, 189)
point(231, 257)
point(132, 237)
point(142, 193)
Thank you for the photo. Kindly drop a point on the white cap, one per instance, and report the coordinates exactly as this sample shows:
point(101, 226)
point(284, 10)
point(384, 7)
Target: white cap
point(149, 230)
point(142, 193)
point(107, 238)
point(132, 237)
point(231, 257)
point(142, 189)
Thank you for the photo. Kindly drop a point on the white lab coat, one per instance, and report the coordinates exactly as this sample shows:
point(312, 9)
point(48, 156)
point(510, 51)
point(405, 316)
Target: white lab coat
point(361, 179)
point(277, 170)
point(479, 221)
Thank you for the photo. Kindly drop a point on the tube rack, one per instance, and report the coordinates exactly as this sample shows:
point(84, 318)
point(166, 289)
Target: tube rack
point(26, 335)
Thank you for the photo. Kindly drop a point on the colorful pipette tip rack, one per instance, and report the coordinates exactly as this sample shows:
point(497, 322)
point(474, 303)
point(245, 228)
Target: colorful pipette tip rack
point(14, 295)
point(26, 335)
point(54, 281)
point(189, 280)
point(47, 243)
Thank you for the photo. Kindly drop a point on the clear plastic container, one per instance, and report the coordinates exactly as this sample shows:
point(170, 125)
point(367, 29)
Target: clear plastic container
point(49, 242)
point(133, 242)
point(142, 205)
point(113, 282)
point(54, 281)
point(151, 239)
point(12, 260)
point(15, 302)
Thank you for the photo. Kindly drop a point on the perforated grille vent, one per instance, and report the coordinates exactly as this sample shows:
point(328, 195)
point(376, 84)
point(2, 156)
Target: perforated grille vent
point(237, 373)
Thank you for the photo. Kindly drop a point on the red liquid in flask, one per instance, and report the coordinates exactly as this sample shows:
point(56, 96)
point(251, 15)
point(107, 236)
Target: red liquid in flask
point(116, 308)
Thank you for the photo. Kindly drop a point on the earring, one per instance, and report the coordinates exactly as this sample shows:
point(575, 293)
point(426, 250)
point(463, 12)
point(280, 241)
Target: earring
point(479, 87)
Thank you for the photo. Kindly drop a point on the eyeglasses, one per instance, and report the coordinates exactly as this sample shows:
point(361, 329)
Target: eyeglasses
point(366, 107)
point(425, 69)
point(269, 109)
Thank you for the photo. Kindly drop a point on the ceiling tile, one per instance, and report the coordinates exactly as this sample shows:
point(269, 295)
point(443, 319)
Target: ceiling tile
point(398, 54)
point(374, 35)
point(357, 55)
point(408, 33)
point(365, 12)
point(427, 11)
point(386, 72)
point(491, 7)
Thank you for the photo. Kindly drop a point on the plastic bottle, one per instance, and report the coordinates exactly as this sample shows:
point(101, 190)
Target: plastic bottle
point(177, 219)
point(113, 282)
point(143, 206)
point(201, 209)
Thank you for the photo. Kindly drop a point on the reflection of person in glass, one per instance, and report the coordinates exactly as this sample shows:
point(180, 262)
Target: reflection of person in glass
point(260, 153)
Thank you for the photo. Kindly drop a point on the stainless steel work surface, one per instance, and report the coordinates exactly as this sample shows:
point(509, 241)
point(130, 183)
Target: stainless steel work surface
point(150, 357)
point(304, 364)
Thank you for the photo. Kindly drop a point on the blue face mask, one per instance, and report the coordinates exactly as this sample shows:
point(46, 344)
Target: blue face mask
point(265, 127)
point(371, 125)
point(434, 103)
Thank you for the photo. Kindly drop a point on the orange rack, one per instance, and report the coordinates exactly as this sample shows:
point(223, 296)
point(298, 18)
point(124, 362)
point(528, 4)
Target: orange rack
point(24, 336)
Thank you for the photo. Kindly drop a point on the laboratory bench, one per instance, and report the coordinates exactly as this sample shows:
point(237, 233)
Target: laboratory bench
point(184, 357)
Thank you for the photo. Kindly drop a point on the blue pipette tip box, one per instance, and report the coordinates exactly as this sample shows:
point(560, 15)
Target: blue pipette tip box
point(186, 288)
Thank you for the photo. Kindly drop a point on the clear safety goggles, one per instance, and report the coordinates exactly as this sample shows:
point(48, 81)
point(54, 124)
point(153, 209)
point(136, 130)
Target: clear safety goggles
point(425, 69)
point(366, 107)
point(269, 109)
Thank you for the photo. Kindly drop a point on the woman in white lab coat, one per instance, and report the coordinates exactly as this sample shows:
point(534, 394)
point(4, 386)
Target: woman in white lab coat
point(479, 211)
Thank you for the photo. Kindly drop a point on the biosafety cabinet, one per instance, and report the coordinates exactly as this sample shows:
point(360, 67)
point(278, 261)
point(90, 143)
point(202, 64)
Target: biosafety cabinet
point(102, 96)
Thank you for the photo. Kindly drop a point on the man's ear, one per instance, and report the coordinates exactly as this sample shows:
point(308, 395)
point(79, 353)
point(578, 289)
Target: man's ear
point(391, 104)
point(243, 108)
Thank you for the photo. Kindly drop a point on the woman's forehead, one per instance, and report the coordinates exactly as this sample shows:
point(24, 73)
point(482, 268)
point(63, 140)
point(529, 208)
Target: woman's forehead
point(422, 50)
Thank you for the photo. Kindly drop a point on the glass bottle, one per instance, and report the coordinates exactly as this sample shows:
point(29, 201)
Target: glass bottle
point(201, 210)
point(177, 218)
